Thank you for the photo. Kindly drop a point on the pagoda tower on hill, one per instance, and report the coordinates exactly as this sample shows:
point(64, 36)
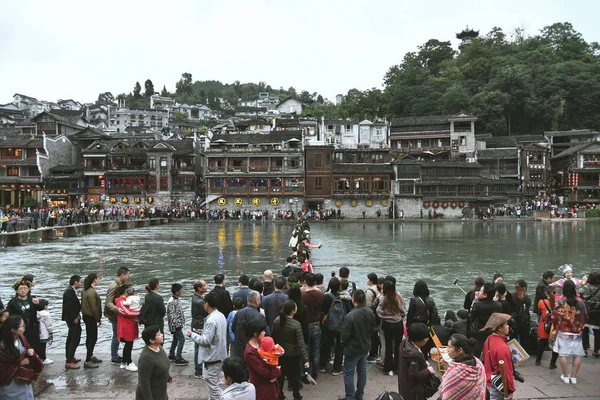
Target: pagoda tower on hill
point(467, 36)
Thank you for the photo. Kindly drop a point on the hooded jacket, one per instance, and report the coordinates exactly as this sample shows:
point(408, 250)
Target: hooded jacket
point(412, 372)
point(464, 380)
point(239, 391)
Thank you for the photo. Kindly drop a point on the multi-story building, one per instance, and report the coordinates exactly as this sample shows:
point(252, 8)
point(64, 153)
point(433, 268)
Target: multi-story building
point(576, 172)
point(535, 165)
point(255, 171)
point(121, 118)
point(451, 136)
point(562, 140)
point(452, 188)
point(53, 123)
point(69, 104)
point(19, 175)
point(351, 134)
point(29, 104)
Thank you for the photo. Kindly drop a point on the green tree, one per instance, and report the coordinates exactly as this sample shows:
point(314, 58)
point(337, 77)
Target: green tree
point(184, 86)
point(149, 88)
point(137, 90)
point(179, 116)
point(164, 91)
point(433, 53)
point(106, 99)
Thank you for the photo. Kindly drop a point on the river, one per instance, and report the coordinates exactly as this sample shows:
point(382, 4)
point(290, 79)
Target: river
point(437, 252)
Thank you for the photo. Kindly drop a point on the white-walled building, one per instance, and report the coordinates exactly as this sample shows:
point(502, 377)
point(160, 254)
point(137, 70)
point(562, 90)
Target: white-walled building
point(122, 118)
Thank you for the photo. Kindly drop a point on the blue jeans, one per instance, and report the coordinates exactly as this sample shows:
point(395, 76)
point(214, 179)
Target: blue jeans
point(178, 341)
point(114, 344)
point(358, 363)
point(197, 365)
point(314, 347)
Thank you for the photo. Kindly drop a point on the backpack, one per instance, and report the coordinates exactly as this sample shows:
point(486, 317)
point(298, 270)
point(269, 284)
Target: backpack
point(389, 396)
point(336, 315)
point(144, 313)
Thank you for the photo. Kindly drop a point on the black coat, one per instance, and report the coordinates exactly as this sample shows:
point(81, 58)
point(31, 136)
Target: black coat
point(156, 310)
point(224, 304)
point(71, 306)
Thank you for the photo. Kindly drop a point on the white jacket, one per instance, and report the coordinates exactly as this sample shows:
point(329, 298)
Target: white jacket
point(46, 333)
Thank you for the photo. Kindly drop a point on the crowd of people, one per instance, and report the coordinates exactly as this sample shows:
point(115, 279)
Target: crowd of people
point(293, 326)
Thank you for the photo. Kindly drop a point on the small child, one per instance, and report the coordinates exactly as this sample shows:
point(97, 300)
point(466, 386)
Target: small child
point(270, 352)
point(132, 301)
point(46, 333)
point(238, 304)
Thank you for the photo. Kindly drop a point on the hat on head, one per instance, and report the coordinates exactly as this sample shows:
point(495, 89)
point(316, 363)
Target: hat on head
point(566, 268)
point(496, 319)
point(267, 343)
point(29, 277)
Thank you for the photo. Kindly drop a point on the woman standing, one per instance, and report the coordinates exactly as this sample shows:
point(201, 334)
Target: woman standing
point(413, 369)
point(19, 364)
point(422, 309)
point(567, 272)
point(495, 350)
point(287, 332)
point(127, 327)
point(27, 307)
point(590, 293)
point(465, 377)
point(545, 307)
point(391, 311)
point(153, 374)
point(569, 317)
point(156, 310)
point(262, 375)
point(91, 308)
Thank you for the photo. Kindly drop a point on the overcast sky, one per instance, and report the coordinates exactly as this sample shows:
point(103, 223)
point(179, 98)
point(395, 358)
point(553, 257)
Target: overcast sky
point(76, 49)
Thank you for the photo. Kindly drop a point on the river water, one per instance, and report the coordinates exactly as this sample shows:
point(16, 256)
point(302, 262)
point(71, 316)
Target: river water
point(437, 252)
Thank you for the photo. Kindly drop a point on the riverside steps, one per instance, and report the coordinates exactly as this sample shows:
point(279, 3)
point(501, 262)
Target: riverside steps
point(89, 228)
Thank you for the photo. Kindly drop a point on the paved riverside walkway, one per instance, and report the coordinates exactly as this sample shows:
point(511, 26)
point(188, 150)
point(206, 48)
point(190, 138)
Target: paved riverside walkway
point(109, 381)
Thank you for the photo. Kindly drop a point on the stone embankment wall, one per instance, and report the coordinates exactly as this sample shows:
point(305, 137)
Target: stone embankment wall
point(412, 209)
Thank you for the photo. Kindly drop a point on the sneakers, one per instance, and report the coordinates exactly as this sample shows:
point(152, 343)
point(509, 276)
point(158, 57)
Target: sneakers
point(181, 362)
point(322, 370)
point(573, 380)
point(123, 365)
point(595, 354)
point(117, 361)
point(172, 358)
point(131, 367)
point(372, 360)
point(519, 377)
point(95, 360)
point(48, 361)
point(198, 375)
point(336, 373)
point(552, 366)
point(379, 365)
point(565, 379)
point(90, 364)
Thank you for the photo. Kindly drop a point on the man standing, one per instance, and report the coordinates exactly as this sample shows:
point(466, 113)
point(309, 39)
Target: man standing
point(198, 315)
point(372, 294)
point(267, 282)
point(345, 274)
point(313, 299)
point(273, 302)
point(243, 291)
point(540, 290)
point(111, 311)
point(241, 319)
point(212, 342)
point(224, 304)
point(71, 309)
point(176, 320)
point(356, 341)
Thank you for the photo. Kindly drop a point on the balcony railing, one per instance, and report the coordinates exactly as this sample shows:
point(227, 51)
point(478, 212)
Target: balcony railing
point(259, 190)
point(125, 189)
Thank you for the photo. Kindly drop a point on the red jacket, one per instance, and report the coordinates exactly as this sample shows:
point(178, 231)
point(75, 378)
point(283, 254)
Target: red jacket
point(260, 374)
point(127, 326)
point(10, 367)
point(498, 350)
point(545, 311)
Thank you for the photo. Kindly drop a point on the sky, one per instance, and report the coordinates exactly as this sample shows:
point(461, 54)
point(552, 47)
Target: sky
point(59, 49)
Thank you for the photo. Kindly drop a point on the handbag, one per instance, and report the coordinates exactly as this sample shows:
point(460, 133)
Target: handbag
point(432, 385)
point(548, 323)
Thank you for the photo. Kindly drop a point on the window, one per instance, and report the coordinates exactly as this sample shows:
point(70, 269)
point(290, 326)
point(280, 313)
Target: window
point(319, 160)
point(463, 140)
point(152, 162)
point(318, 184)
point(406, 188)
point(330, 128)
point(418, 143)
point(164, 183)
point(348, 128)
point(13, 171)
point(188, 183)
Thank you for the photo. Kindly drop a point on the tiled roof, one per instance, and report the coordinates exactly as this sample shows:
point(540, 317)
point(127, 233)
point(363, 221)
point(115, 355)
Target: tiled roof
point(574, 149)
point(574, 132)
point(66, 168)
point(361, 169)
point(494, 154)
point(450, 164)
point(530, 138)
point(500, 141)
point(421, 121)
